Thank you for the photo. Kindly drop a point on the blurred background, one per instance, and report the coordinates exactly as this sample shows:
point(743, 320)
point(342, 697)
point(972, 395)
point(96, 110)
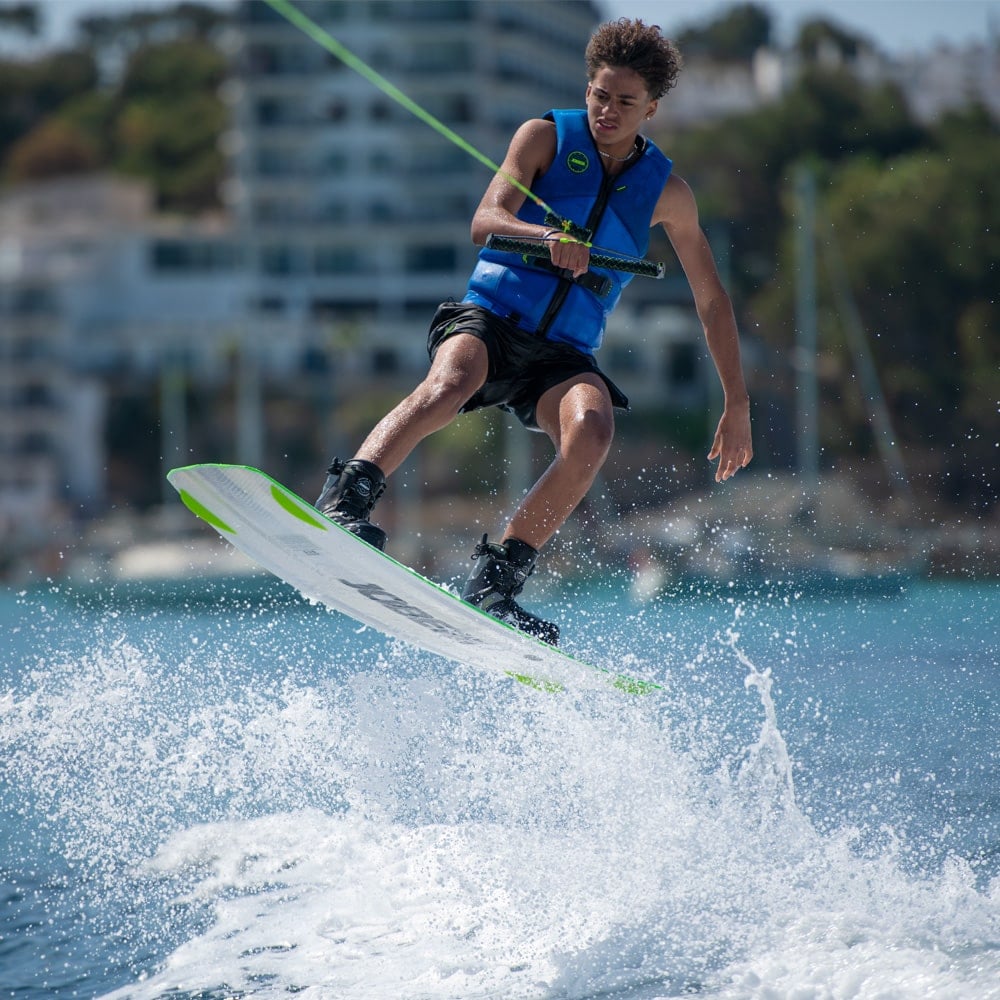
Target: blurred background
point(218, 243)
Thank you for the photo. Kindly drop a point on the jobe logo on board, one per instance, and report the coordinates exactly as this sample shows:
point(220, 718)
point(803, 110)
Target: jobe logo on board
point(394, 603)
point(577, 161)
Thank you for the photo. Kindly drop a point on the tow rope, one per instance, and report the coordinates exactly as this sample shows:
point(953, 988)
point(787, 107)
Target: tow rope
point(611, 260)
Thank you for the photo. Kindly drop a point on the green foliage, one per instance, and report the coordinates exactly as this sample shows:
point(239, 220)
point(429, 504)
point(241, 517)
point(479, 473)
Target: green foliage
point(169, 122)
point(22, 17)
point(683, 431)
point(733, 37)
point(819, 35)
point(470, 450)
point(54, 149)
point(922, 261)
point(171, 70)
point(175, 147)
point(34, 90)
point(142, 27)
point(914, 213)
point(979, 353)
point(157, 115)
point(738, 166)
point(92, 113)
point(917, 233)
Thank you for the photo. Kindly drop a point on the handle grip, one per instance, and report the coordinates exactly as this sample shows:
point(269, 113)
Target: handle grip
point(535, 248)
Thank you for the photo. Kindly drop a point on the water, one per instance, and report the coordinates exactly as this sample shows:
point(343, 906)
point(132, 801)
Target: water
point(254, 798)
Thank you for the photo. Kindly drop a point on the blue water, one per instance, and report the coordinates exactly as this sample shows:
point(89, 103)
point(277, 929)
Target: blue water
point(248, 796)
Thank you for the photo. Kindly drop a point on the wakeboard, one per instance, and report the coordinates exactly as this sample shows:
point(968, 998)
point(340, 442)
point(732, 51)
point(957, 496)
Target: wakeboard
point(328, 564)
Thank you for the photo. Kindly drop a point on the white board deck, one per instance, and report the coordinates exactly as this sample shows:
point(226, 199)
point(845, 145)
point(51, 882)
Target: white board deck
point(326, 563)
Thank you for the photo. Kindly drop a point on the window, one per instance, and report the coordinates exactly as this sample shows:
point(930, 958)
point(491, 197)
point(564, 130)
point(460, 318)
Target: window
point(381, 211)
point(31, 349)
point(682, 365)
point(337, 260)
point(321, 11)
point(381, 162)
point(424, 259)
point(34, 394)
point(449, 11)
point(333, 211)
point(279, 260)
point(443, 57)
point(336, 110)
point(385, 361)
point(623, 359)
point(34, 443)
point(32, 302)
point(343, 310)
point(173, 256)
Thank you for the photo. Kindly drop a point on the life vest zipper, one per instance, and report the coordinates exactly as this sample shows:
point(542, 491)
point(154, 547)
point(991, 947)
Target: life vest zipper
point(565, 284)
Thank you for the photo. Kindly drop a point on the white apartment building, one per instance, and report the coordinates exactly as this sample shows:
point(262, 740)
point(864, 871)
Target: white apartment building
point(934, 82)
point(95, 290)
point(354, 212)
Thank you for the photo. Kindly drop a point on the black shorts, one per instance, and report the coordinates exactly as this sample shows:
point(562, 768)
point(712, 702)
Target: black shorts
point(522, 366)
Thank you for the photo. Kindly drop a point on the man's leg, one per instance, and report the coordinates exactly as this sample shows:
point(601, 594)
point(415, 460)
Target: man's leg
point(578, 416)
point(351, 489)
point(458, 371)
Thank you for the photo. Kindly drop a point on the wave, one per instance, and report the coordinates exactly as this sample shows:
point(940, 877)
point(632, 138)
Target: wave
point(344, 818)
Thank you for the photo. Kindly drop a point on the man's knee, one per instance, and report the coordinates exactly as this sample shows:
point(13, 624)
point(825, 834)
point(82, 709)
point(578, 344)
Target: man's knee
point(447, 391)
point(587, 436)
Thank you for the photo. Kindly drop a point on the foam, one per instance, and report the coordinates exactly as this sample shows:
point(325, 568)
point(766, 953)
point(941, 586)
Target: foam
point(382, 825)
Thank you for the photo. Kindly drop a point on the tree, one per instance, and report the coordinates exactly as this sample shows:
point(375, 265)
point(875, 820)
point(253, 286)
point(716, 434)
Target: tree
point(819, 40)
point(921, 258)
point(34, 90)
point(54, 149)
point(914, 213)
point(140, 95)
point(739, 165)
point(170, 120)
point(733, 37)
point(116, 38)
point(23, 17)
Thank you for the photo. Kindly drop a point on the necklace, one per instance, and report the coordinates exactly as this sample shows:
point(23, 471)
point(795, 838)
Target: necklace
point(622, 159)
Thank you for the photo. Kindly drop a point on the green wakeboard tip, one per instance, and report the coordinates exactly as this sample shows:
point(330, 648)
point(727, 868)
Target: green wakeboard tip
point(294, 507)
point(200, 510)
point(551, 687)
point(630, 685)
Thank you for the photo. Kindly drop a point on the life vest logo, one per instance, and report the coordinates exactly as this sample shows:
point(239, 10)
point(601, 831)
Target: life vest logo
point(577, 161)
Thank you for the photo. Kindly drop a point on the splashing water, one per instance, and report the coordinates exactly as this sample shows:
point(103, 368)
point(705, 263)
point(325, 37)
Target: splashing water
point(297, 807)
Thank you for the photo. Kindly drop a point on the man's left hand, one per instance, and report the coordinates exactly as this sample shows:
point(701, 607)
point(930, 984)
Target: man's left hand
point(732, 445)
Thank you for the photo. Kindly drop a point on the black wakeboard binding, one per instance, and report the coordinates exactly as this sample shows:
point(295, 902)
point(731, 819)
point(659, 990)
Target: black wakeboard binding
point(348, 496)
point(498, 577)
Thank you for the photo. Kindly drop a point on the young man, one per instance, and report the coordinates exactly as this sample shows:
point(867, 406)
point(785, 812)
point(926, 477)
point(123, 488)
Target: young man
point(523, 337)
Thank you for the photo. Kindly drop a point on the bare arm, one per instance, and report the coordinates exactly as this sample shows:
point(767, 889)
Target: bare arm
point(529, 155)
point(678, 213)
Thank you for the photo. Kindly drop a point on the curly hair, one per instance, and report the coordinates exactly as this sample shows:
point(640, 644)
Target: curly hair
point(636, 46)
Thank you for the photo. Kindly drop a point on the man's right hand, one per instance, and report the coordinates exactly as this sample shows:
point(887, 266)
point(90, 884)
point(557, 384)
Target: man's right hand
point(568, 253)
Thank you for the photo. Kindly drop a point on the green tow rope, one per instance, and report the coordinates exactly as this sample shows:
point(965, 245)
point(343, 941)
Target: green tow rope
point(346, 56)
point(309, 27)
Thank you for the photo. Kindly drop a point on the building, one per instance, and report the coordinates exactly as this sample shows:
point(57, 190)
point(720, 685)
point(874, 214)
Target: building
point(944, 79)
point(96, 291)
point(354, 211)
point(349, 224)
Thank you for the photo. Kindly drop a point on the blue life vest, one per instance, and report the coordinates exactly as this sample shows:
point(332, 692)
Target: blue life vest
point(617, 210)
